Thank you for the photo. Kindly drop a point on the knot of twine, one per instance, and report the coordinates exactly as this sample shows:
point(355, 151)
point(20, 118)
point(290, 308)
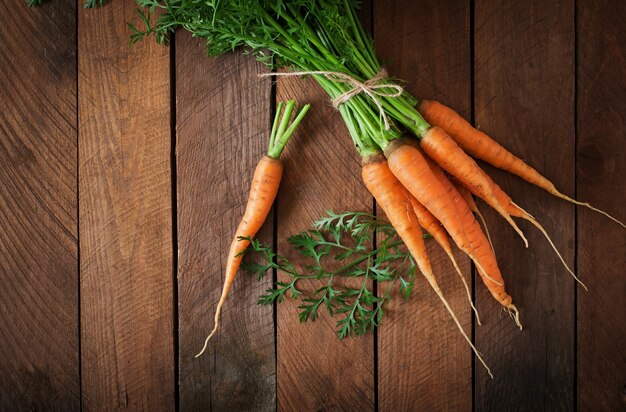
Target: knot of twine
point(369, 87)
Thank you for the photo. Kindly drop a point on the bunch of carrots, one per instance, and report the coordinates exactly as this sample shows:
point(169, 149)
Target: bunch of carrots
point(417, 155)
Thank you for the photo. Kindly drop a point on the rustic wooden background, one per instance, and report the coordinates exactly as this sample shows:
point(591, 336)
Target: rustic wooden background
point(124, 170)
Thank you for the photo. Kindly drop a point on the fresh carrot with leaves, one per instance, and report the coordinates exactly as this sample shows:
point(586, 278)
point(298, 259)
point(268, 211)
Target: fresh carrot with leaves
point(433, 226)
point(481, 146)
point(263, 191)
point(395, 201)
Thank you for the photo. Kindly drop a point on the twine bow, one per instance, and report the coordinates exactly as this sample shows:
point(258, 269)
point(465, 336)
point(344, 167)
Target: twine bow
point(369, 87)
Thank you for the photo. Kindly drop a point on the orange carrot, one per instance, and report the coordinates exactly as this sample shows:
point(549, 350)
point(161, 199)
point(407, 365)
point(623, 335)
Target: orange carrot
point(263, 191)
point(450, 157)
point(411, 168)
point(467, 196)
point(433, 226)
point(393, 198)
point(481, 146)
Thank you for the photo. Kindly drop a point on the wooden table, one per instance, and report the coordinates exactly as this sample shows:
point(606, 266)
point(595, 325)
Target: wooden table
point(123, 172)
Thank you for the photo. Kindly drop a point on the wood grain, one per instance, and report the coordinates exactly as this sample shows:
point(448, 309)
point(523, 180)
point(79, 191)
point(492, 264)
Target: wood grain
point(317, 371)
point(524, 98)
point(223, 118)
point(125, 215)
point(601, 167)
point(423, 361)
point(38, 208)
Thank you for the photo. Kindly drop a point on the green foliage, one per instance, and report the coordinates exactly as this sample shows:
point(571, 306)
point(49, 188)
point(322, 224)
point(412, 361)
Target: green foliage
point(336, 256)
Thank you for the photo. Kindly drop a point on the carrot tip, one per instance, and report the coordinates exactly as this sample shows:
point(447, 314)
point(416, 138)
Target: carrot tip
point(484, 223)
point(514, 314)
point(217, 324)
point(469, 294)
point(433, 283)
point(576, 202)
point(542, 230)
point(484, 273)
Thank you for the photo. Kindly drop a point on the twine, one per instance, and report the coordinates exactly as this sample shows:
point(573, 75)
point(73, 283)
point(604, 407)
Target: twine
point(369, 87)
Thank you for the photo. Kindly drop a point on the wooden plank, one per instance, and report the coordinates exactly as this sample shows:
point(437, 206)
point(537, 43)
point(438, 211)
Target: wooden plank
point(317, 371)
point(423, 361)
point(223, 118)
point(38, 211)
point(601, 167)
point(524, 98)
point(125, 215)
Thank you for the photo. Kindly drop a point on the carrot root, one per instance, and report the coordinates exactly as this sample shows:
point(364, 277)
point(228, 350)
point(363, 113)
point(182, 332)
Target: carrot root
point(484, 272)
point(517, 229)
point(467, 289)
point(514, 314)
point(542, 230)
point(458, 324)
point(484, 223)
point(585, 204)
point(215, 327)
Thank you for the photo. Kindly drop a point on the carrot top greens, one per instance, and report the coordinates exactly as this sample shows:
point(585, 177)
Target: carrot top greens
point(339, 248)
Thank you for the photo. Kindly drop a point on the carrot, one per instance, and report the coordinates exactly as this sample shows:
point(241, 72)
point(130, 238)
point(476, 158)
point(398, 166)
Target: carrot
point(467, 196)
point(395, 201)
point(412, 169)
point(450, 157)
point(433, 226)
point(474, 231)
point(263, 191)
point(481, 146)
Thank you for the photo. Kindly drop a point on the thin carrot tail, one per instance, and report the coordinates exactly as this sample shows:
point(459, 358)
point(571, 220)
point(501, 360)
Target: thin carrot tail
point(485, 273)
point(516, 228)
point(576, 202)
point(484, 223)
point(439, 293)
point(542, 230)
point(218, 311)
point(514, 314)
point(467, 289)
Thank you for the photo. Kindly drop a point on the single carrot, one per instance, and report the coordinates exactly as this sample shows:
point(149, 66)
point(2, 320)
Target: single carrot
point(395, 201)
point(412, 169)
point(433, 226)
point(263, 191)
point(467, 196)
point(449, 156)
point(473, 232)
point(481, 146)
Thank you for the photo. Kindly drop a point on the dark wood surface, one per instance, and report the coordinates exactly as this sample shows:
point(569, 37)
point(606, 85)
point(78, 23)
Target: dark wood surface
point(524, 97)
point(125, 220)
point(123, 172)
point(222, 120)
point(39, 359)
point(601, 179)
